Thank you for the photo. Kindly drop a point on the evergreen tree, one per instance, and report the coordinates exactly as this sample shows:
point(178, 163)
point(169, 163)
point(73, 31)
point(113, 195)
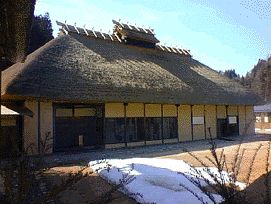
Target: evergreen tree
point(41, 32)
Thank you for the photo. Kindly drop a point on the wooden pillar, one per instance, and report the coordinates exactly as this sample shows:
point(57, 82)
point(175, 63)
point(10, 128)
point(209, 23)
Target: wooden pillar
point(246, 126)
point(39, 132)
point(177, 109)
point(162, 124)
point(192, 128)
point(204, 121)
point(238, 120)
point(216, 120)
point(125, 124)
point(144, 124)
point(54, 125)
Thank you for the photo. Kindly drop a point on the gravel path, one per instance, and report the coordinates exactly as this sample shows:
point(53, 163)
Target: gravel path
point(85, 156)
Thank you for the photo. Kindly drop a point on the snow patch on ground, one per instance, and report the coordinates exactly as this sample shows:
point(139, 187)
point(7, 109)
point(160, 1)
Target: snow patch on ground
point(157, 180)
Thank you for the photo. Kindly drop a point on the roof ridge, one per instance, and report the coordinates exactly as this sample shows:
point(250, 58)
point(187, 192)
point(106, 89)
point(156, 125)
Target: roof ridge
point(66, 28)
point(149, 31)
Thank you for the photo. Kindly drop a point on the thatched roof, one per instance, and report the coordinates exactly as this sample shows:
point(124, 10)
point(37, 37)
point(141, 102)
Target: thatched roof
point(127, 31)
point(83, 68)
point(263, 108)
point(15, 20)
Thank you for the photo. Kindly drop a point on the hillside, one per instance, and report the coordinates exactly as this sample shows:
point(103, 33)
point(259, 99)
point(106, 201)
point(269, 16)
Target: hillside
point(259, 79)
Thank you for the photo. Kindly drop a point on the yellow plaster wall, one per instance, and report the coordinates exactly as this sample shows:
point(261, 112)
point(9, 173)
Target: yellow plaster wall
point(210, 120)
point(184, 123)
point(169, 111)
point(198, 130)
point(250, 120)
point(135, 110)
point(232, 111)
point(153, 110)
point(242, 119)
point(221, 112)
point(31, 128)
point(114, 110)
point(46, 123)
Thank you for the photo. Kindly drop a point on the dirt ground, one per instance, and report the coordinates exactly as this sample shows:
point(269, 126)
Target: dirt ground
point(92, 187)
point(89, 189)
point(256, 188)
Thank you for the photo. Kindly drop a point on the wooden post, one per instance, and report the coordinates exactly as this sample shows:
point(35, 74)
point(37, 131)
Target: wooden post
point(125, 124)
point(39, 133)
point(177, 108)
point(192, 128)
point(144, 124)
point(162, 124)
point(204, 110)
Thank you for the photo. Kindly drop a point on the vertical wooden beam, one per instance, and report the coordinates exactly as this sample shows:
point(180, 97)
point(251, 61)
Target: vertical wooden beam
point(238, 120)
point(204, 121)
point(246, 127)
point(192, 126)
point(54, 125)
point(125, 124)
point(144, 124)
point(177, 109)
point(39, 132)
point(104, 126)
point(20, 132)
point(227, 119)
point(216, 120)
point(162, 124)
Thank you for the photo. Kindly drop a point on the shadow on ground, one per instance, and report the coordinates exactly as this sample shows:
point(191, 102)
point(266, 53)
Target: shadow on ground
point(64, 158)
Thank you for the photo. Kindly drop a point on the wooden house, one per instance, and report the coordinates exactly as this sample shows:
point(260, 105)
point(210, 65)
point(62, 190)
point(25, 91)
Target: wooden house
point(263, 118)
point(89, 89)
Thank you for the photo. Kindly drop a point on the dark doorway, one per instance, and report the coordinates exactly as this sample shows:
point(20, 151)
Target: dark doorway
point(221, 128)
point(78, 126)
point(227, 127)
point(11, 136)
point(233, 126)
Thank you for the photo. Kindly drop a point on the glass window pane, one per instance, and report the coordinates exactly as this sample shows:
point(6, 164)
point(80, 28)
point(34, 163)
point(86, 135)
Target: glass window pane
point(131, 129)
point(64, 112)
point(170, 128)
point(135, 129)
point(153, 128)
point(114, 130)
point(140, 129)
point(78, 112)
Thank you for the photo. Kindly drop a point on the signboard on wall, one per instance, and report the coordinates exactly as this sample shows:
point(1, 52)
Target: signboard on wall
point(198, 120)
point(232, 119)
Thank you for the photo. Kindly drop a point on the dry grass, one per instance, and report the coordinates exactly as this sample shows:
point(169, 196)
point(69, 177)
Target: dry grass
point(93, 186)
point(88, 190)
point(256, 188)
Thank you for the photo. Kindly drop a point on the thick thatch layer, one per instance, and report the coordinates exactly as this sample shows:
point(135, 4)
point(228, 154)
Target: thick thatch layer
point(81, 68)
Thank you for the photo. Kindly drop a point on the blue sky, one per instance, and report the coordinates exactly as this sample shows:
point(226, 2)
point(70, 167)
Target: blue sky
point(225, 34)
